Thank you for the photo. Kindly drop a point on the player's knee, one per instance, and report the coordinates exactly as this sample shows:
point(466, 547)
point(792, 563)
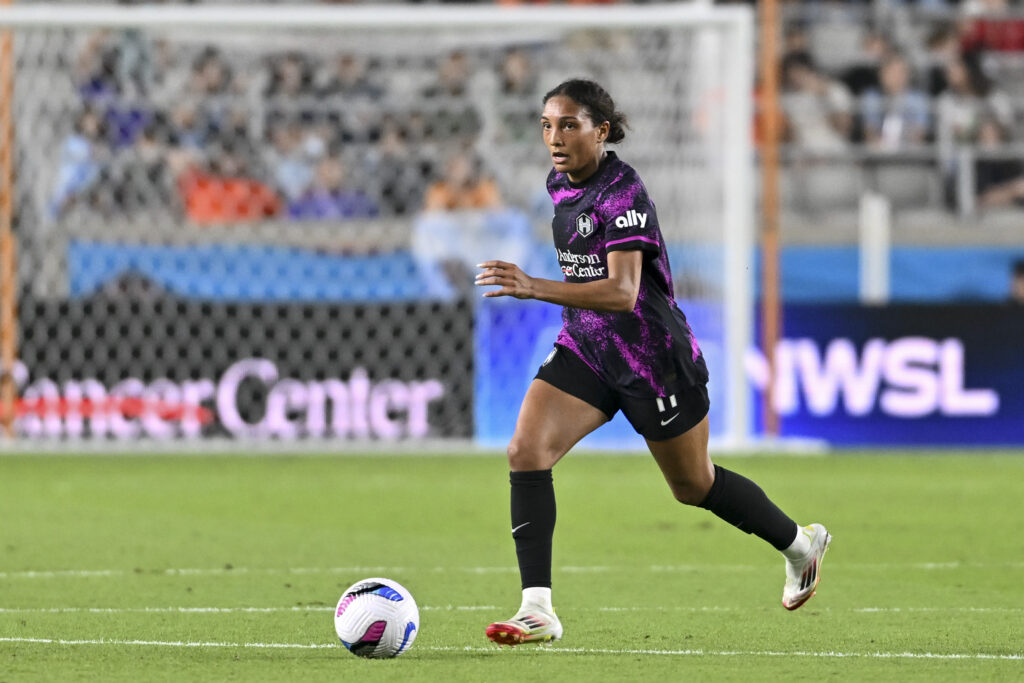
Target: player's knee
point(690, 491)
point(527, 456)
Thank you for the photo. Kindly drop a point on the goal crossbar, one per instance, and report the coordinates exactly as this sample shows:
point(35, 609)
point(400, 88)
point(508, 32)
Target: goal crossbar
point(390, 17)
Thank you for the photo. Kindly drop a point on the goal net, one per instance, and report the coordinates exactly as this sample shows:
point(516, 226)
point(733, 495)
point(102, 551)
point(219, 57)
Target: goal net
point(259, 223)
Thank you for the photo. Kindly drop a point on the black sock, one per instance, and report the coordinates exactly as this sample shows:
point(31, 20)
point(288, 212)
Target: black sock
point(533, 525)
point(743, 504)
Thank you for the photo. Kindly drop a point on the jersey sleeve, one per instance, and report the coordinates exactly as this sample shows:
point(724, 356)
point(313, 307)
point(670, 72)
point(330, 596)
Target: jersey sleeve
point(629, 217)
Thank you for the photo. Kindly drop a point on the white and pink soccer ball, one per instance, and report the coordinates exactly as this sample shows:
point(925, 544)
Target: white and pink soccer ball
point(377, 618)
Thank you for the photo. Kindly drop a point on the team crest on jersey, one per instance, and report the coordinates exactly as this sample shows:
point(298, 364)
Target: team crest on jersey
point(584, 225)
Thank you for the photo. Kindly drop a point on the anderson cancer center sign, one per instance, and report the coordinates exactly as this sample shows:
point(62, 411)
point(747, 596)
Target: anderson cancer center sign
point(169, 369)
point(285, 407)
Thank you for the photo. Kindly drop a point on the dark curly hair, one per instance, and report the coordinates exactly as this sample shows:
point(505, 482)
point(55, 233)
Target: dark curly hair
point(598, 103)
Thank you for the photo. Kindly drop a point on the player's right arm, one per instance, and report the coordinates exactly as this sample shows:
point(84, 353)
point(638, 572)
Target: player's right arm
point(615, 293)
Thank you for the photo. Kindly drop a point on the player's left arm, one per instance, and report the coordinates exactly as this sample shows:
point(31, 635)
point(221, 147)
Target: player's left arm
point(615, 293)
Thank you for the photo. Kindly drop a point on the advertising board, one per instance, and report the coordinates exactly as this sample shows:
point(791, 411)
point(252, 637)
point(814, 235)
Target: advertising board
point(846, 374)
point(167, 368)
point(900, 374)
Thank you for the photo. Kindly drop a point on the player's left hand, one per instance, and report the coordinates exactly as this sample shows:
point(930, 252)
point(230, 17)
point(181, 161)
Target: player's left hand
point(510, 277)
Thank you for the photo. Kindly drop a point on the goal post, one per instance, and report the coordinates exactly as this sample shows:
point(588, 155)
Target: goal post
point(155, 308)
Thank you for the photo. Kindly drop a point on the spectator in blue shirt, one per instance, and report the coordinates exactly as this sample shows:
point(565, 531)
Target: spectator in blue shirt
point(330, 197)
point(896, 116)
point(80, 165)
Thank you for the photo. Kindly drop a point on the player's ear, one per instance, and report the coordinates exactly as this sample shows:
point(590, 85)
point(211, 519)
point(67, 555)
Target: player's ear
point(603, 130)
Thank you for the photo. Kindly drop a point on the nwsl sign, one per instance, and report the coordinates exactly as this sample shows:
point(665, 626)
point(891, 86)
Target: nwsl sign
point(909, 377)
point(899, 374)
point(850, 375)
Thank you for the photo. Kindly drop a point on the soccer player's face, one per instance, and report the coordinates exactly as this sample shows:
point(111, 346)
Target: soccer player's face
point(575, 143)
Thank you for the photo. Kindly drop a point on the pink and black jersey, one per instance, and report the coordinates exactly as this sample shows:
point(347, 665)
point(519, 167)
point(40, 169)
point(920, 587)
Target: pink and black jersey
point(650, 350)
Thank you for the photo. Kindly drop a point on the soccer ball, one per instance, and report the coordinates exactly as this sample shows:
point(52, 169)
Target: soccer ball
point(377, 618)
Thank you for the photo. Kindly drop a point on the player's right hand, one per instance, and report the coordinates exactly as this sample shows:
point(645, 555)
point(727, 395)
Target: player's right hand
point(508, 276)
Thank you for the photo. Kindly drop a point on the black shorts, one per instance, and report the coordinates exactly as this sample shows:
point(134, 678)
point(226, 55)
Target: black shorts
point(656, 419)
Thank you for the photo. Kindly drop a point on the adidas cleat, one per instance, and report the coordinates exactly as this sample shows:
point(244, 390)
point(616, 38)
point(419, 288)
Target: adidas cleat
point(532, 625)
point(802, 576)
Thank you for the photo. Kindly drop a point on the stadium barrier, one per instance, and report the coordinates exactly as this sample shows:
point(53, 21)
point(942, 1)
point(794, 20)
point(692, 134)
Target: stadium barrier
point(849, 375)
point(909, 374)
point(160, 367)
point(290, 372)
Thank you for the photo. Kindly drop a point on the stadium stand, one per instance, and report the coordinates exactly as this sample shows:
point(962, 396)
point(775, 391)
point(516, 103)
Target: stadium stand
point(922, 102)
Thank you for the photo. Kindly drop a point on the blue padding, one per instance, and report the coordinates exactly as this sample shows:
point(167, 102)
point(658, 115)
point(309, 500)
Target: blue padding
point(819, 274)
point(248, 273)
point(953, 274)
point(810, 274)
point(917, 274)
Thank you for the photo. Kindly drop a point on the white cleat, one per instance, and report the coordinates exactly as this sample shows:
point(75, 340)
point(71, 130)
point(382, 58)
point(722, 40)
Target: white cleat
point(529, 625)
point(802, 576)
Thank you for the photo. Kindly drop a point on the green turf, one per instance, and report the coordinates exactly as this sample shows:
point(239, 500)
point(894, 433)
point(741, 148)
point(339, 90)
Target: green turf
point(928, 558)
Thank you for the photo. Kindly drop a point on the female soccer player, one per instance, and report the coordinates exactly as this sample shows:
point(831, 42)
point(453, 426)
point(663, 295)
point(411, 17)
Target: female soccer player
point(624, 345)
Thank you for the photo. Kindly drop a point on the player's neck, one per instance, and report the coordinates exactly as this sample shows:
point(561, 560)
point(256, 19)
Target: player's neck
point(584, 174)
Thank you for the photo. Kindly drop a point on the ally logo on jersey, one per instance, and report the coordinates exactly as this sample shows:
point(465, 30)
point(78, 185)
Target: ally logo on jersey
point(631, 219)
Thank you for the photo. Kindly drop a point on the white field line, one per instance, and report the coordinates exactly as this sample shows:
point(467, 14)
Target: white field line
point(859, 610)
point(547, 650)
point(369, 570)
point(873, 610)
point(477, 608)
point(218, 610)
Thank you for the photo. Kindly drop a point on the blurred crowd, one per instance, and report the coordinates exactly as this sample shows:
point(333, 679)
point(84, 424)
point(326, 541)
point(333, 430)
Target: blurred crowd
point(952, 81)
point(298, 136)
point(328, 135)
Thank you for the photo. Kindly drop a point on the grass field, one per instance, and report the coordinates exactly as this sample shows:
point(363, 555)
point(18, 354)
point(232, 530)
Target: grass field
point(227, 568)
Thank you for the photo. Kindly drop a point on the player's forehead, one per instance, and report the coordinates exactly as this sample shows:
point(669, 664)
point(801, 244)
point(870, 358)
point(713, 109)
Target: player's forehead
point(564, 107)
